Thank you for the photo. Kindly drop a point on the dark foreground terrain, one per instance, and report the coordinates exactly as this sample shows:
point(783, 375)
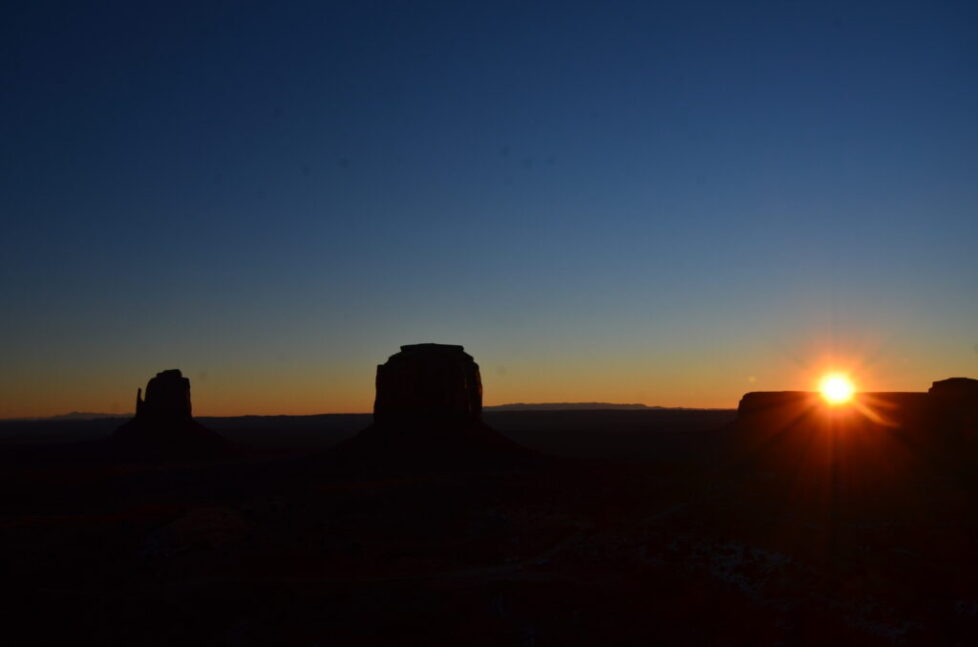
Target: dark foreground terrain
point(629, 528)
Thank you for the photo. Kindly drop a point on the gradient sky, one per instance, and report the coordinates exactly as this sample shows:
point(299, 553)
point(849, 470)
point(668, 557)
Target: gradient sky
point(668, 203)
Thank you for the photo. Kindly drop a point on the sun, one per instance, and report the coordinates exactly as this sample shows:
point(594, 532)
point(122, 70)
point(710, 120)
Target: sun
point(836, 388)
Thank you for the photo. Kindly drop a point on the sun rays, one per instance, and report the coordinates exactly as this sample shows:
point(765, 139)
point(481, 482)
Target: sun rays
point(836, 388)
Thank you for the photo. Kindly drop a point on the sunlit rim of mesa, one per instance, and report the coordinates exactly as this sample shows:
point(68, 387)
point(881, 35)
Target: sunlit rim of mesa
point(836, 389)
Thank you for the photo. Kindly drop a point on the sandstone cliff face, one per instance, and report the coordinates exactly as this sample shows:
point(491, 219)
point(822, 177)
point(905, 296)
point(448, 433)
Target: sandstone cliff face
point(164, 427)
point(429, 382)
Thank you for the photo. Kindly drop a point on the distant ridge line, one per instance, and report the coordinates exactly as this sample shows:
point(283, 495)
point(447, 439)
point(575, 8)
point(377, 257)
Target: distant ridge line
point(581, 406)
point(74, 415)
point(513, 406)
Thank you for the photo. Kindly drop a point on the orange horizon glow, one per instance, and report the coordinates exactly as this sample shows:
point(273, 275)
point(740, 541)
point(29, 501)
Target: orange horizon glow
point(652, 378)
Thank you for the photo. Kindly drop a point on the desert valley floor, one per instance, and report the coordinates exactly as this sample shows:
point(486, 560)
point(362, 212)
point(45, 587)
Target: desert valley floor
point(620, 528)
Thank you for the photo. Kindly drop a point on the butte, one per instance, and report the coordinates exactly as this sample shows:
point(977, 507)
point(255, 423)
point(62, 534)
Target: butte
point(428, 412)
point(164, 428)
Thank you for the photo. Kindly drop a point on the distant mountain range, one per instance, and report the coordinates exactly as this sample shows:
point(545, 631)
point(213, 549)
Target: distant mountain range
point(560, 406)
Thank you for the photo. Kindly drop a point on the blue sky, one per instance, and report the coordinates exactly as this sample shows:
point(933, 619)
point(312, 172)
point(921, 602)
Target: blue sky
point(625, 201)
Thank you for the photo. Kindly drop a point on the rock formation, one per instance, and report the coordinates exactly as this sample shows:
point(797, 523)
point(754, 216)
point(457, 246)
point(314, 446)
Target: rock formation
point(163, 426)
point(949, 405)
point(954, 403)
point(167, 397)
point(429, 382)
point(880, 438)
point(428, 410)
point(955, 388)
point(758, 403)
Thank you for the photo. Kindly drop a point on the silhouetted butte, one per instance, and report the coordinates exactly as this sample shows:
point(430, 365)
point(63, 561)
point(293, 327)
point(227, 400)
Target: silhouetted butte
point(429, 406)
point(163, 427)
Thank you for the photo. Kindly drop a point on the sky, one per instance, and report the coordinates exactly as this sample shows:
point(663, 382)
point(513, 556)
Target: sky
point(665, 203)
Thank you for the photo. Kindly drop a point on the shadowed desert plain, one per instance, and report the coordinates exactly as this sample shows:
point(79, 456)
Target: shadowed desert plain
point(432, 522)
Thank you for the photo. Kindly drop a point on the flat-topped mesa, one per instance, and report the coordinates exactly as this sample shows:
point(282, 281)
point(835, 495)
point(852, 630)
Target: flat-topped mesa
point(429, 382)
point(955, 388)
point(790, 408)
point(954, 402)
point(761, 402)
point(167, 397)
point(949, 405)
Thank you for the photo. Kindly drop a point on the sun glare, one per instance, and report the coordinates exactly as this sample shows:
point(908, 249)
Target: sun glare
point(836, 388)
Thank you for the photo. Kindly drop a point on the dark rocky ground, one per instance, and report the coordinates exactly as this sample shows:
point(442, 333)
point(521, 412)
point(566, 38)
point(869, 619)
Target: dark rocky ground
point(631, 527)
